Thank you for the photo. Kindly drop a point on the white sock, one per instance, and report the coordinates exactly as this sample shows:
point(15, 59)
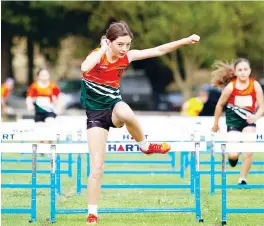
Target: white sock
point(242, 178)
point(92, 209)
point(144, 144)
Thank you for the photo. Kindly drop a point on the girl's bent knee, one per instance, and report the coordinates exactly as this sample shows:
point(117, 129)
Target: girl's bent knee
point(248, 154)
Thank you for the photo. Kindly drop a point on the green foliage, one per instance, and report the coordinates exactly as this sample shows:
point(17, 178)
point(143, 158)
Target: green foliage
point(46, 22)
point(226, 29)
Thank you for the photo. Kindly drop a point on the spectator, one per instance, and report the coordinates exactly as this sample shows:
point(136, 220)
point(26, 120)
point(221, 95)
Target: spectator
point(195, 105)
point(210, 104)
point(6, 89)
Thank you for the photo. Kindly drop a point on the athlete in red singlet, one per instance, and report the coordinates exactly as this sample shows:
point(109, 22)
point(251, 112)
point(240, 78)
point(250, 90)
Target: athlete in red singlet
point(41, 97)
point(241, 94)
point(101, 98)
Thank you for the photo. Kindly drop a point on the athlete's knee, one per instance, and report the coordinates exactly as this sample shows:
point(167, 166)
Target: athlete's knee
point(119, 124)
point(97, 170)
point(123, 112)
point(126, 116)
point(248, 154)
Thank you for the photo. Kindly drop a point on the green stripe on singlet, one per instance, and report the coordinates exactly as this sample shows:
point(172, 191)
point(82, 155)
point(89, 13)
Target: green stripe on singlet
point(95, 96)
point(236, 116)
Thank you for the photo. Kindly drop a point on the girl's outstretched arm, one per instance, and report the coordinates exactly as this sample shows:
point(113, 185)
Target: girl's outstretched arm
point(134, 55)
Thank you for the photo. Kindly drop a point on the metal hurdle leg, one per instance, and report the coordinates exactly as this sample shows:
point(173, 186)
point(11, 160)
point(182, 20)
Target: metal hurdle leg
point(212, 174)
point(212, 166)
point(223, 148)
point(192, 172)
point(58, 174)
point(88, 165)
point(69, 139)
point(58, 170)
point(173, 159)
point(79, 173)
point(182, 168)
point(53, 185)
point(34, 184)
point(197, 183)
point(70, 162)
point(186, 160)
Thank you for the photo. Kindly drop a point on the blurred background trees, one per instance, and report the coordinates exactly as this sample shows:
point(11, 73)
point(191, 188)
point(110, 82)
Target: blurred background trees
point(227, 29)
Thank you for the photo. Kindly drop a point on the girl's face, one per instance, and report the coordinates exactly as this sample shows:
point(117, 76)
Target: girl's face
point(44, 76)
point(242, 71)
point(121, 46)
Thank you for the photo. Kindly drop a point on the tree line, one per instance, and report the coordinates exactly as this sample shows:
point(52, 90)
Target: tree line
point(227, 29)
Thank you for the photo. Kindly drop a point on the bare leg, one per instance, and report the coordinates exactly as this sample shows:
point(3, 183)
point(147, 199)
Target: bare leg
point(97, 138)
point(247, 156)
point(122, 114)
point(233, 156)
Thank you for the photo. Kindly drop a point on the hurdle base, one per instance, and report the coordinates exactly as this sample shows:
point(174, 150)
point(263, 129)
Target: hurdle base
point(223, 222)
point(201, 220)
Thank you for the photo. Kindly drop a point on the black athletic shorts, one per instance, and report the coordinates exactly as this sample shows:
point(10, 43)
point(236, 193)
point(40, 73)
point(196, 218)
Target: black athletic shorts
point(41, 116)
point(99, 118)
point(232, 128)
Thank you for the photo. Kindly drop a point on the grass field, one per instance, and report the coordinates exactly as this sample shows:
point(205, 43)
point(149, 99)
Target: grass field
point(128, 198)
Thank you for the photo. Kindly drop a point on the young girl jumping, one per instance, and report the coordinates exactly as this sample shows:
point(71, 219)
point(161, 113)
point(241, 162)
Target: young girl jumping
point(100, 96)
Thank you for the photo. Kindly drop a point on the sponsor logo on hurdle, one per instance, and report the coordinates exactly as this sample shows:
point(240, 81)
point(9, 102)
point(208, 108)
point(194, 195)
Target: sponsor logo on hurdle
point(259, 137)
point(122, 147)
point(8, 136)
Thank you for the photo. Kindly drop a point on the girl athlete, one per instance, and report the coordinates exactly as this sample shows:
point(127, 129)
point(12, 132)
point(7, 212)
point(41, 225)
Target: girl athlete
point(241, 94)
point(100, 96)
point(41, 97)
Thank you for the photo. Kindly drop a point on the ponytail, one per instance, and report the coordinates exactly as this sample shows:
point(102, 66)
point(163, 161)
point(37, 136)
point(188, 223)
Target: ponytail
point(223, 73)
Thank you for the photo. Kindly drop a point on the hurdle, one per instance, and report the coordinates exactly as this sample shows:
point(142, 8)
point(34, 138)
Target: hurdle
point(57, 161)
point(223, 146)
point(194, 147)
point(65, 148)
point(32, 211)
point(180, 172)
point(13, 129)
point(171, 171)
point(133, 148)
point(209, 138)
point(8, 136)
point(171, 162)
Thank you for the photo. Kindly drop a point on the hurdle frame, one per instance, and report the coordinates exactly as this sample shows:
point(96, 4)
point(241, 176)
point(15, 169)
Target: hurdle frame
point(33, 186)
point(195, 185)
point(224, 186)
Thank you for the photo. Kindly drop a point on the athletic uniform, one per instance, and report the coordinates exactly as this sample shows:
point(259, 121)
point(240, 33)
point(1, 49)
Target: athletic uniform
point(5, 92)
point(240, 104)
point(43, 100)
point(100, 91)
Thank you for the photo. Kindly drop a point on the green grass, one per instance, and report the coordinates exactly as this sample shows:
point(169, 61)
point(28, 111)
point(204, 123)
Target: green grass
point(129, 198)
